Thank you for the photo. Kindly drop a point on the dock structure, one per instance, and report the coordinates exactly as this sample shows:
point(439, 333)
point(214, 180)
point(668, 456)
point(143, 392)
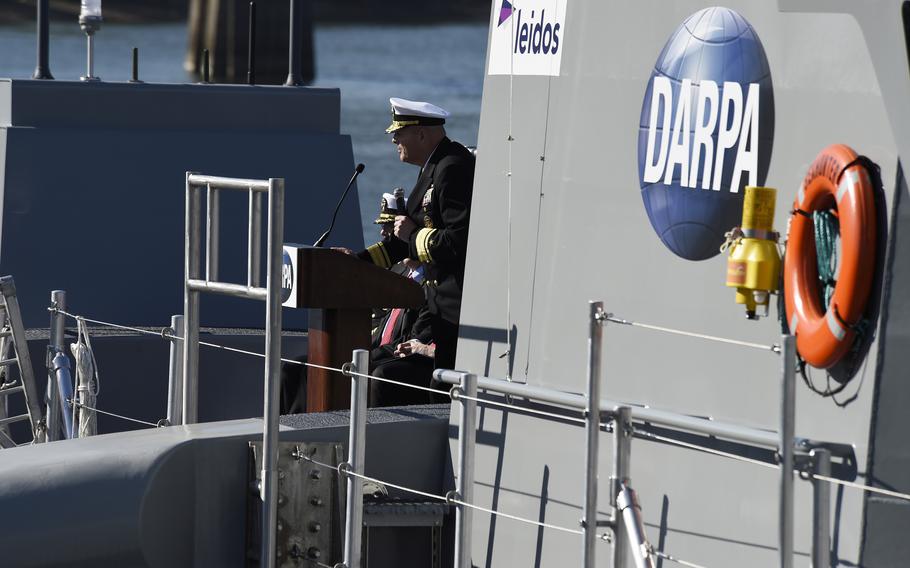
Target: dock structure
point(223, 28)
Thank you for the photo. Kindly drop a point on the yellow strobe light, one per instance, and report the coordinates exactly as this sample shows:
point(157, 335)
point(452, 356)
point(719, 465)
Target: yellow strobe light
point(753, 267)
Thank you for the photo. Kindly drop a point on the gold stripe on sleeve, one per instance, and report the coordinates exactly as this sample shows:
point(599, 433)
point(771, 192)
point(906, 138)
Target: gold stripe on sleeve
point(423, 244)
point(379, 255)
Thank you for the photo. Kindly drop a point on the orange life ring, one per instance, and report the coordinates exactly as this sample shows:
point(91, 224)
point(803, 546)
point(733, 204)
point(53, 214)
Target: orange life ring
point(836, 180)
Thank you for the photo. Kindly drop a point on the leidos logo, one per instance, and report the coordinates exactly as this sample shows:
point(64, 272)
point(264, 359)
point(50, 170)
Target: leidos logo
point(706, 130)
point(527, 38)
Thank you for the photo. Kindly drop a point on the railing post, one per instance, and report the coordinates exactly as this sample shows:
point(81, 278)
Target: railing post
point(55, 345)
point(353, 529)
point(192, 253)
point(175, 373)
point(622, 448)
point(592, 432)
point(821, 509)
point(627, 501)
point(254, 239)
point(464, 485)
point(273, 375)
point(787, 428)
point(212, 232)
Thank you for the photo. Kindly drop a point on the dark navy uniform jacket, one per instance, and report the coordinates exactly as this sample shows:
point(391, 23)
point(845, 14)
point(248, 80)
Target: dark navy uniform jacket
point(440, 206)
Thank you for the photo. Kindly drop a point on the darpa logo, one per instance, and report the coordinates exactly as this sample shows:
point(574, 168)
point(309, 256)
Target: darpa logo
point(706, 130)
point(527, 38)
point(694, 153)
point(287, 277)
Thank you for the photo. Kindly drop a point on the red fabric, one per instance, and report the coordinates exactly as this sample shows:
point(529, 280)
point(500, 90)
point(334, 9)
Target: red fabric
point(389, 326)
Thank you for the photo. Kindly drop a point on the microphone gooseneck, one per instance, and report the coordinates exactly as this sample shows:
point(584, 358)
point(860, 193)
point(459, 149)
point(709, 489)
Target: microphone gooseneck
point(357, 171)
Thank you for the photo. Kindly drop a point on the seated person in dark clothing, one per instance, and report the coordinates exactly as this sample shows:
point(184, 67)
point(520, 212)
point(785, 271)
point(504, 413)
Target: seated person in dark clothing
point(402, 350)
point(409, 358)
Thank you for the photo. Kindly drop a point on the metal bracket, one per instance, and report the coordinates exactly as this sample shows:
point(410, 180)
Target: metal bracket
point(309, 517)
point(843, 458)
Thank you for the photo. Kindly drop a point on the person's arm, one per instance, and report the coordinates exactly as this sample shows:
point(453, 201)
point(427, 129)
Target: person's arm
point(384, 253)
point(447, 244)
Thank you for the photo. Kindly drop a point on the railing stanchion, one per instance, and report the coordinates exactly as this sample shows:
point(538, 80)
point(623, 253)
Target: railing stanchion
point(55, 345)
point(212, 233)
point(592, 433)
point(192, 253)
point(627, 502)
point(464, 485)
point(622, 450)
point(787, 429)
point(254, 239)
point(272, 401)
point(821, 510)
point(353, 529)
point(175, 373)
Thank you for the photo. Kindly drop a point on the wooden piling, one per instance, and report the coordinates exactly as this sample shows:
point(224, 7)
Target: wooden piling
point(222, 26)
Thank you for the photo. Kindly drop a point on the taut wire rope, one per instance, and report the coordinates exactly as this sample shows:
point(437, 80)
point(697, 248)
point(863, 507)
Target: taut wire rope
point(608, 317)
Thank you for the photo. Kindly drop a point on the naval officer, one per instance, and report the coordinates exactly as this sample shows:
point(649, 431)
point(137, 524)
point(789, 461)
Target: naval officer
point(434, 228)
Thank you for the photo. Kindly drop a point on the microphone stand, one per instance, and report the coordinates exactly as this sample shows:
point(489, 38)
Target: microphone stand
point(319, 242)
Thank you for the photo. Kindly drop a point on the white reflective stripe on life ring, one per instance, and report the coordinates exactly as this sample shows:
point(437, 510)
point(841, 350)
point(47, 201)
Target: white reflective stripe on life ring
point(836, 328)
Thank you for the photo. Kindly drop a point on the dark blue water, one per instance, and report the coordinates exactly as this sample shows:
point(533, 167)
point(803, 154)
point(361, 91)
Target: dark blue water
point(443, 64)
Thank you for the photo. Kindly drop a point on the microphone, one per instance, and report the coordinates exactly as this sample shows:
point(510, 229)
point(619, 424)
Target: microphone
point(325, 235)
point(399, 201)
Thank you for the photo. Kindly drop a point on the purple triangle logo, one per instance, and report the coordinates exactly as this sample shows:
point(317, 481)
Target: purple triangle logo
point(504, 12)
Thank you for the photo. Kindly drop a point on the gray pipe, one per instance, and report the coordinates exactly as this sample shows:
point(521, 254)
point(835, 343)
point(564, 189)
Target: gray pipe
point(724, 430)
point(254, 240)
point(55, 345)
point(787, 427)
point(622, 450)
point(821, 510)
point(627, 501)
point(212, 233)
point(272, 374)
point(353, 528)
point(464, 485)
point(592, 432)
point(192, 244)
point(175, 374)
point(64, 391)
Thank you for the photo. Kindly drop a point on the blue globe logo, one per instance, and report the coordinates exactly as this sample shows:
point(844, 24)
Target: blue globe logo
point(706, 131)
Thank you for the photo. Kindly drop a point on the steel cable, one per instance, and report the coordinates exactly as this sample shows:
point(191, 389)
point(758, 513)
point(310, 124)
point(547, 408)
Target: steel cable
point(338, 470)
point(120, 416)
point(721, 453)
point(666, 556)
point(608, 317)
point(774, 348)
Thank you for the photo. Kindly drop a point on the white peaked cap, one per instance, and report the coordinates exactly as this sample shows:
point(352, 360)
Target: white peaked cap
point(413, 113)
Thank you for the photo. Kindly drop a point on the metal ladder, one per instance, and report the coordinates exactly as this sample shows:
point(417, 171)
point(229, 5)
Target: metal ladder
point(12, 334)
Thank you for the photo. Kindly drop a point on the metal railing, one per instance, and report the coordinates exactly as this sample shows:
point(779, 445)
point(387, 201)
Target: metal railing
point(625, 520)
point(195, 284)
point(812, 459)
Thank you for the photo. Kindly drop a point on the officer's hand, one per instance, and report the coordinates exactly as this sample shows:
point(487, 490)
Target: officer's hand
point(414, 347)
point(404, 227)
point(344, 250)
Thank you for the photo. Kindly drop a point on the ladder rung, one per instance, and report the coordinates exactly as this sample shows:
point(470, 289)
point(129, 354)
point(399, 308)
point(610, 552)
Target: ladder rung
point(13, 390)
point(12, 419)
point(8, 362)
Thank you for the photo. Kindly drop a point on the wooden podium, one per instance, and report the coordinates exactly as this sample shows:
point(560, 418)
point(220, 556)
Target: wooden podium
point(340, 291)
